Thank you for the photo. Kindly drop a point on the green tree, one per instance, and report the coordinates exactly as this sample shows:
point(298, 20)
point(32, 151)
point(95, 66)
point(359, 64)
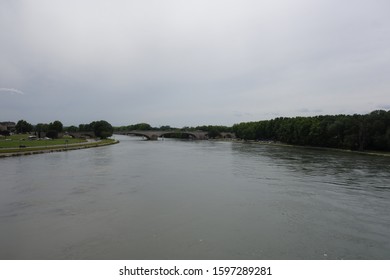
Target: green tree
point(23, 126)
point(140, 126)
point(102, 129)
point(72, 128)
point(165, 127)
point(52, 134)
point(213, 133)
point(40, 128)
point(56, 126)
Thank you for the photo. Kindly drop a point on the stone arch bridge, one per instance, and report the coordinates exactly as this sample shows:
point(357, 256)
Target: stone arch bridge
point(155, 134)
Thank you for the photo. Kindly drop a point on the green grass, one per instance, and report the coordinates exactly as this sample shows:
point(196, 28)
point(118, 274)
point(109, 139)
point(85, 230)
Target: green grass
point(15, 141)
point(81, 144)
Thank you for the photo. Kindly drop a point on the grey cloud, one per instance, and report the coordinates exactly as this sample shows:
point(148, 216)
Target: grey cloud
point(186, 62)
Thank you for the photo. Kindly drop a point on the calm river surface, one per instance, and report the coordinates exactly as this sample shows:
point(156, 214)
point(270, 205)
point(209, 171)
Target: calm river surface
point(195, 200)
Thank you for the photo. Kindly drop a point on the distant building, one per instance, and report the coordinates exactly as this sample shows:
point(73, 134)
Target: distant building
point(10, 126)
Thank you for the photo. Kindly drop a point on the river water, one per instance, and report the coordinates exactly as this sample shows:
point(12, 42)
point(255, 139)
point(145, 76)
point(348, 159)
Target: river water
point(195, 200)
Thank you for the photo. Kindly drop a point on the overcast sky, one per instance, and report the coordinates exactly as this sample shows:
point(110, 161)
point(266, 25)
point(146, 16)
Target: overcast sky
point(195, 62)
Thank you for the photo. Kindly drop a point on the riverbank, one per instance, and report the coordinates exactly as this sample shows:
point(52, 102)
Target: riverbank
point(55, 148)
point(370, 153)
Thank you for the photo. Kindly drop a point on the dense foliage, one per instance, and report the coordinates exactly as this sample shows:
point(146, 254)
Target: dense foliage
point(354, 132)
point(51, 130)
point(23, 126)
point(56, 126)
point(102, 129)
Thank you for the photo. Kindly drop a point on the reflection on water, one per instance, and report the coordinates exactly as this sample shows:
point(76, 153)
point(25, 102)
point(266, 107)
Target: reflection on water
point(195, 200)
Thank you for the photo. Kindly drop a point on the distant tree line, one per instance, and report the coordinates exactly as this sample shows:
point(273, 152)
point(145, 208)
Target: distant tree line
point(138, 126)
point(354, 132)
point(214, 131)
point(50, 130)
point(102, 128)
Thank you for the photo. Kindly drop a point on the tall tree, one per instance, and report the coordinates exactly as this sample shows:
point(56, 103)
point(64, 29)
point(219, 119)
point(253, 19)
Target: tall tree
point(23, 126)
point(56, 126)
point(41, 127)
point(102, 129)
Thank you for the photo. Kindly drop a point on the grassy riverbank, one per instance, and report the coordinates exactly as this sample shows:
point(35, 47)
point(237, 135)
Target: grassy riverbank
point(17, 140)
point(17, 145)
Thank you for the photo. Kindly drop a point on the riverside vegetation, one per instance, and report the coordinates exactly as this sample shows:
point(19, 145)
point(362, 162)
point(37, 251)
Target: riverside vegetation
point(29, 139)
point(350, 132)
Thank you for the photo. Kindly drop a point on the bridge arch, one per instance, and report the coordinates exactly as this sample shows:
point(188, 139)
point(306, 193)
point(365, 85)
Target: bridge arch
point(191, 135)
point(155, 134)
point(140, 134)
